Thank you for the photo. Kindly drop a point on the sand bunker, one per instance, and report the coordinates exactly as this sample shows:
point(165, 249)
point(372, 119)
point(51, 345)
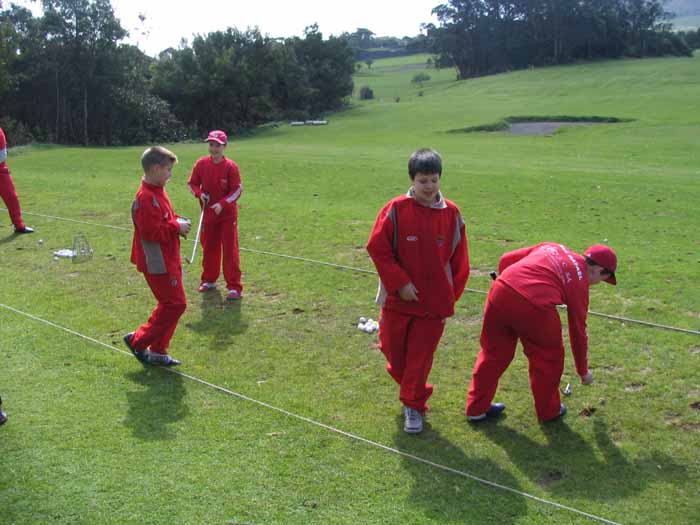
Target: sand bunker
point(542, 128)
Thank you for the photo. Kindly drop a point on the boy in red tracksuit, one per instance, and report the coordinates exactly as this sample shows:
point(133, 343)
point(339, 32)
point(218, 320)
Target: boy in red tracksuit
point(216, 179)
point(522, 305)
point(155, 250)
point(419, 247)
point(8, 191)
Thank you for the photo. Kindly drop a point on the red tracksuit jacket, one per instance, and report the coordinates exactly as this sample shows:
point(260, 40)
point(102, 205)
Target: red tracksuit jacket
point(549, 274)
point(423, 245)
point(222, 182)
point(155, 248)
point(3, 146)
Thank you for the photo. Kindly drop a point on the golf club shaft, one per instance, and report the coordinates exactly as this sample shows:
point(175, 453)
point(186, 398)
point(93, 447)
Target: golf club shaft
point(196, 237)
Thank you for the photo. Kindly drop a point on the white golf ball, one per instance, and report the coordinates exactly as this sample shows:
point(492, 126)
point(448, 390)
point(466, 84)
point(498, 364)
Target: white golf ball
point(605, 241)
point(367, 328)
point(370, 320)
point(41, 241)
point(360, 326)
point(363, 320)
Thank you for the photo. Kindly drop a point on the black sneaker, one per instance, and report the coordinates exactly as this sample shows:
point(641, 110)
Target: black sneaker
point(141, 355)
point(495, 410)
point(3, 416)
point(26, 229)
point(161, 359)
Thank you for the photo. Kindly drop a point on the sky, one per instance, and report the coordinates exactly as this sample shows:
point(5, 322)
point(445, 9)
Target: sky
point(168, 21)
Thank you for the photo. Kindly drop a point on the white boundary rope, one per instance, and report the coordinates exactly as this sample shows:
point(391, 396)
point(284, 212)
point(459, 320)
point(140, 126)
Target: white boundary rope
point(371, 272)
point(355, 437)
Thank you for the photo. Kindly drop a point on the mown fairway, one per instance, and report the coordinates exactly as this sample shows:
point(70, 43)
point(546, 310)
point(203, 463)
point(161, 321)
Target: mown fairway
point(94, 437)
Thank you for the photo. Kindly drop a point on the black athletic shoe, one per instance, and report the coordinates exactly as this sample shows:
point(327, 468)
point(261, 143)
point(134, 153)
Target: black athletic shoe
point(141, 355)
point(562, 412)
point(3, 416)
point(26, 229)
point(161, 360)
point(495, 410)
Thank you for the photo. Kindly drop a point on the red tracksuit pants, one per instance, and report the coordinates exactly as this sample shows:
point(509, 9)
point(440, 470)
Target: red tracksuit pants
point(409, 343)
point(9, 197)
point(508, 316)
point(221, 238)
point(155, 334)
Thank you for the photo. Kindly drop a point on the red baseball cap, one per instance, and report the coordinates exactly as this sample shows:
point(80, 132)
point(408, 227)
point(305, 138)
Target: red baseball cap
point(603, 256)
point(217, 136)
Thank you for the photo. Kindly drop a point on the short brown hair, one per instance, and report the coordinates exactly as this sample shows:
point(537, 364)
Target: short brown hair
point(157, 156)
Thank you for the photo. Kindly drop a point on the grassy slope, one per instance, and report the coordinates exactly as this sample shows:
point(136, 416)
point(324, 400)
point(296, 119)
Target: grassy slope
point(116, 443)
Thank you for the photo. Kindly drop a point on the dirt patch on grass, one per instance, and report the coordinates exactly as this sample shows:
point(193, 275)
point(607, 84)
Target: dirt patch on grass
point(549, 478)
point(587, 411)
point(542, 128)
point(635, 387)
point(695, 406)
point(695, 427)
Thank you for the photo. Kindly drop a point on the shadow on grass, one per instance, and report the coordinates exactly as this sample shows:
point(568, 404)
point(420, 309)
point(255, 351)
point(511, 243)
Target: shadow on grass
point(568, 466)
point(8, 238)
point(156, 405)
point(221, 319)
point(447, 497)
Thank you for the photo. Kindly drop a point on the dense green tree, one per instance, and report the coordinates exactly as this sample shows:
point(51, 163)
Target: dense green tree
point(485, 36)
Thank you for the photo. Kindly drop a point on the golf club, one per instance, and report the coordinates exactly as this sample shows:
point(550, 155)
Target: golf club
point(196, 237)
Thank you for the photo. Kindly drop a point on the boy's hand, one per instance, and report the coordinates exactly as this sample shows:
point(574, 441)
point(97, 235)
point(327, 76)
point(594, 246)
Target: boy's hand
point(587, 378)
point(204, 197)
point(185, 228)
point(217, 208)
point(408, 292)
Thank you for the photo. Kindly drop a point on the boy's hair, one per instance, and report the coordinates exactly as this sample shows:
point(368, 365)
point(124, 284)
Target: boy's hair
point(157, 156)
point(591, 262)
point(424, 160)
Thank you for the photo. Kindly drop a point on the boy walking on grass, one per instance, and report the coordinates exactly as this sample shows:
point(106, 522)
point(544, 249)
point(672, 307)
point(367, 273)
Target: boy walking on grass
point(419, 247)
point(216, 182)
point(155, 251)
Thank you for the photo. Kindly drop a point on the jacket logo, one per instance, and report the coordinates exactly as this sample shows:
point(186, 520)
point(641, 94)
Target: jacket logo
point(412, 238)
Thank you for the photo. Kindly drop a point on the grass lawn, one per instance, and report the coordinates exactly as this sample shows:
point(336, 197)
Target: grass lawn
point(93, 437)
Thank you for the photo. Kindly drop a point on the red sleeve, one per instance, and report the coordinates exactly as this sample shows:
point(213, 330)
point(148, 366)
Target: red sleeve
point(460, 261)
point(150, 222)
point(234, 182)
point(380, 249)
point(510, 258)
point(577, 312)
point(195, 181)
point(3, 141)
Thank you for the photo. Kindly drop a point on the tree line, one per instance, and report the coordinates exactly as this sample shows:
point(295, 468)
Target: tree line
point(67, 77)
point(481, 37)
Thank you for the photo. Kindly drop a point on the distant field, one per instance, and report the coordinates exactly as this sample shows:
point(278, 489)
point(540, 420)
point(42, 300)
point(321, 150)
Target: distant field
point(93, 437)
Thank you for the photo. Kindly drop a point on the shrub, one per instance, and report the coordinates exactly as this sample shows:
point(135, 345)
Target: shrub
point(366, 93)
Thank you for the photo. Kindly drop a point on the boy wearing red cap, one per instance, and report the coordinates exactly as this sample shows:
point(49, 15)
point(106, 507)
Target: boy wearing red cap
point(216, 182)
point(155, 250)
point(8, 191)
point(419, 247)
point(522, 305)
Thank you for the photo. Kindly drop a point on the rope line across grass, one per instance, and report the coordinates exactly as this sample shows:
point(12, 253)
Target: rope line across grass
point(335, 430)
point(371, 272)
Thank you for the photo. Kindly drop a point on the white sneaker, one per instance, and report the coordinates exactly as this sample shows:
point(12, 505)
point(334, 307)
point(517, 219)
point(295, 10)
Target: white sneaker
point(413, 421)
point(205, 286)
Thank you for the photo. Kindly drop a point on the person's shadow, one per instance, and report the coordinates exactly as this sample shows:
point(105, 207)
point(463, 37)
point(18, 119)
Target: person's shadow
point(156, 404)
point(567, 465)
point(8, 238)
point(221, 319)
point(450, 498)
